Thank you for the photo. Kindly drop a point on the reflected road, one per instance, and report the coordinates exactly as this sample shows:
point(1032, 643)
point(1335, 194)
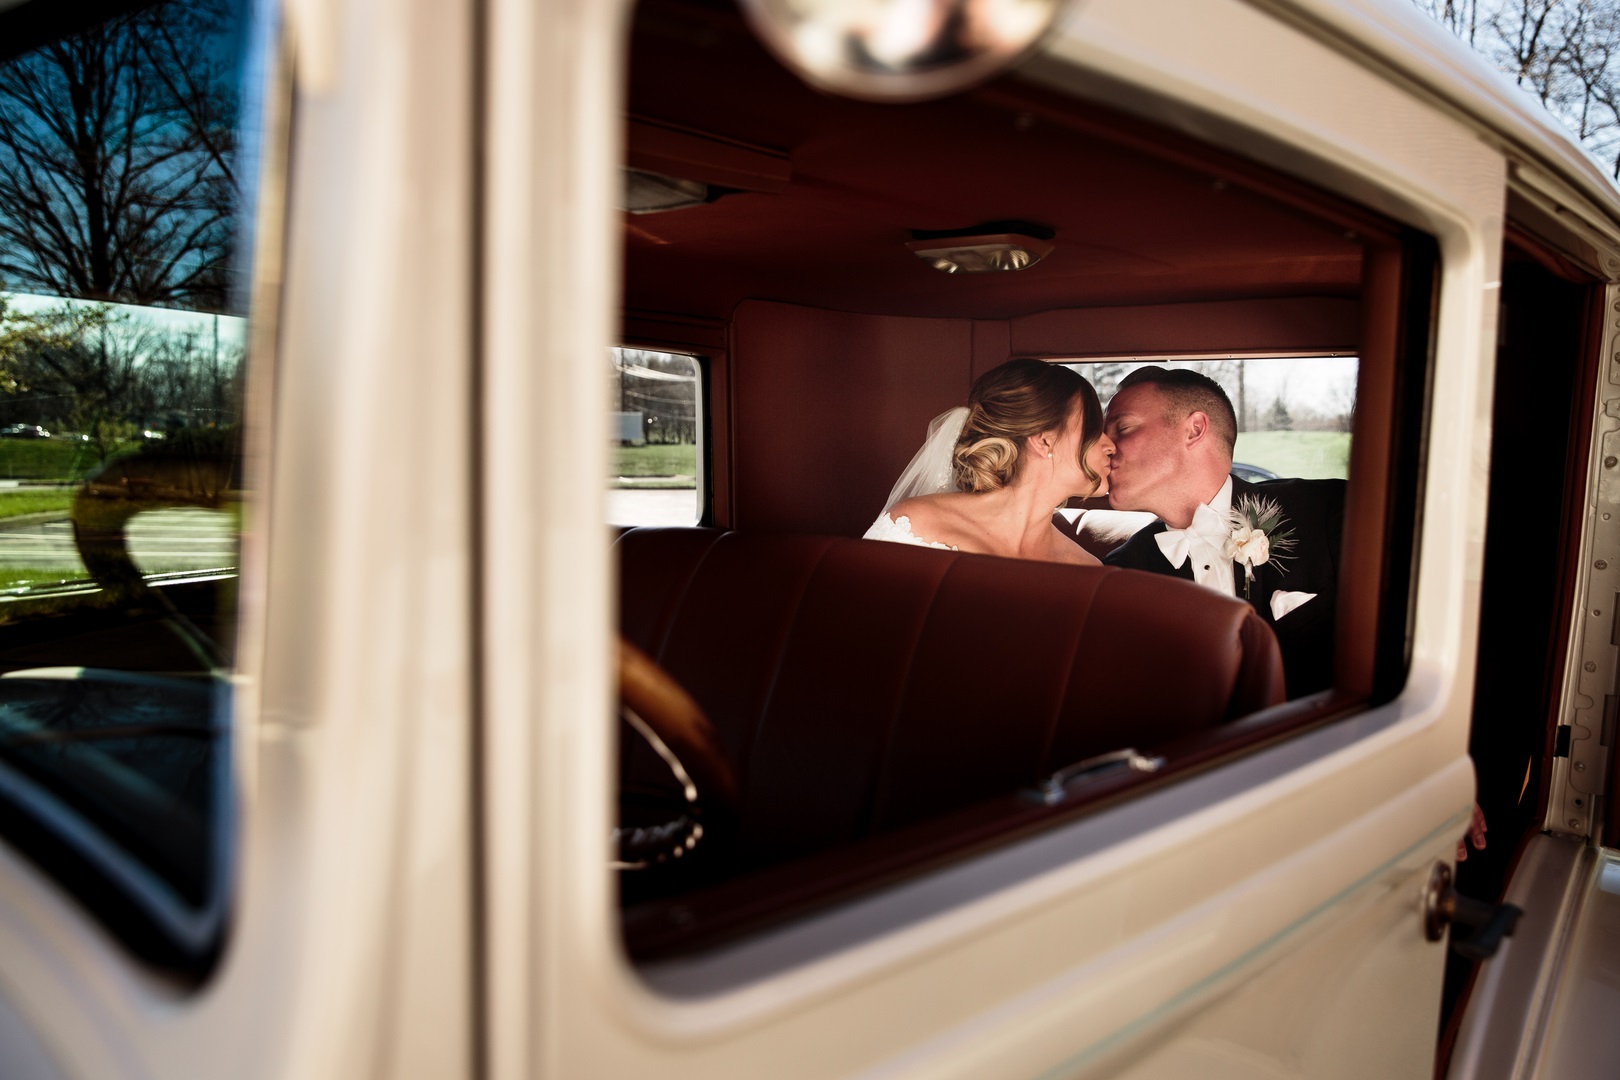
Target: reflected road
point(183, 538)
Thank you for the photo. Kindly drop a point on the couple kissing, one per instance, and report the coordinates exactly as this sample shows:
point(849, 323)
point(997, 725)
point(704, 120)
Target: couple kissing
point(1033, 435)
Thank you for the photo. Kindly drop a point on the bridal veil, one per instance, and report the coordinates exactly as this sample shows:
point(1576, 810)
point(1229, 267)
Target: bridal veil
point(931, 469)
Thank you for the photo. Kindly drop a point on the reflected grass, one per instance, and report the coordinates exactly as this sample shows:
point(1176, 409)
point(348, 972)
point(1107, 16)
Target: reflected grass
point(51, 459)
point(38, 501)
point(19, 577)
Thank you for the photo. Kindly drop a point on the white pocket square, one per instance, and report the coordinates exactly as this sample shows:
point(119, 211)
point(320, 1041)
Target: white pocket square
point(1284, 602)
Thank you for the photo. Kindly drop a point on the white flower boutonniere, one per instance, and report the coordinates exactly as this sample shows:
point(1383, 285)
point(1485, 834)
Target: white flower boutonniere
point(1259, 534)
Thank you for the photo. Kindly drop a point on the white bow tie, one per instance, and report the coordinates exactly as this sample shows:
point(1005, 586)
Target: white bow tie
point(1207, 529)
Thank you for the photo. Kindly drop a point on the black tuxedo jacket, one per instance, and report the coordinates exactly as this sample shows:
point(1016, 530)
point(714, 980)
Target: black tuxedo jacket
point(1315, 509)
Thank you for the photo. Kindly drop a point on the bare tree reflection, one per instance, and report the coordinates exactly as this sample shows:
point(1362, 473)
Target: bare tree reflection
point(117, 176)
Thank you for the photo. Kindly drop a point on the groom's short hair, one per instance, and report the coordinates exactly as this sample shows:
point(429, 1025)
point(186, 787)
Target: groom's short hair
point(1188, 392)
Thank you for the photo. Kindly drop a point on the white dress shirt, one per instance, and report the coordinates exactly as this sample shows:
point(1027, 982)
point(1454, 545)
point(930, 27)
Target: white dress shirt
point(1203, 542)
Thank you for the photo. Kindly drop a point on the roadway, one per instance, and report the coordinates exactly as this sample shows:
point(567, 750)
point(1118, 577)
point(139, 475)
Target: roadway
point(184, 538)
point(187, 538)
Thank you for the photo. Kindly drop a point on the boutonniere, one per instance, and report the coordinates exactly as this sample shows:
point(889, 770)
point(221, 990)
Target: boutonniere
point(1260, 533)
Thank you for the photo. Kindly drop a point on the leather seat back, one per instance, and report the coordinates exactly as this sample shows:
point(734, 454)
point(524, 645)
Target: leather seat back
point(859, 686)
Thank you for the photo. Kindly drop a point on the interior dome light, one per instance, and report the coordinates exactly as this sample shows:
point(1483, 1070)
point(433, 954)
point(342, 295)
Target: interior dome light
point(981, 254)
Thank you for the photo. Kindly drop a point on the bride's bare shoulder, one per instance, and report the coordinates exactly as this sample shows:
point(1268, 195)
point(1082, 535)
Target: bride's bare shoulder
point(1080, 556)
point(927, 508)
point(1066, 550)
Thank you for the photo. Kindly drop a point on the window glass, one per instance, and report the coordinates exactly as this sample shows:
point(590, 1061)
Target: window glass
point(656, 450)
point(125, 157)
point(1294, 414)
point(871, 709)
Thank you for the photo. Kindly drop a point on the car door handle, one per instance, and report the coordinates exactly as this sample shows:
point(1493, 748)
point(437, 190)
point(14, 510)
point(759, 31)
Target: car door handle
point(1444, 906)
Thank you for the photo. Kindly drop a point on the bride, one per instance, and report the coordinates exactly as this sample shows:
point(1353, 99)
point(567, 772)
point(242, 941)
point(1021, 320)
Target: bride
point(991, 473)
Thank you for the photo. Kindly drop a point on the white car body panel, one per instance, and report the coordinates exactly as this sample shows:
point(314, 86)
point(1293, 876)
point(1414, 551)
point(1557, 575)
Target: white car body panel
point(1176, 917)
point(425, 772)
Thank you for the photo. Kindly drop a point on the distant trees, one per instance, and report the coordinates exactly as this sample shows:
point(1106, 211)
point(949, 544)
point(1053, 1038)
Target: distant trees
point(117, 161)
point(1329, 410)
point(1104, 377)
point(662, 388)
point(1564, 52)
point(102, 371)
point(119, 187)
point(1277, 417)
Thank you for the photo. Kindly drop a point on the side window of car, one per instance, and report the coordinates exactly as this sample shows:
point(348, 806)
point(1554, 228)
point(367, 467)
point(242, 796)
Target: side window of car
point(1294, 413)
point(656, 452)
point(125, 191)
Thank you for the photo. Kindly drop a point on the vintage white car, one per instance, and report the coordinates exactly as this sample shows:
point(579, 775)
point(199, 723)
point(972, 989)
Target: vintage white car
point(485, 676)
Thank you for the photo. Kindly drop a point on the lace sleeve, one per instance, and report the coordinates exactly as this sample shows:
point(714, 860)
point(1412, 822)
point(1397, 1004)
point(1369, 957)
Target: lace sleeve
point(898, 531)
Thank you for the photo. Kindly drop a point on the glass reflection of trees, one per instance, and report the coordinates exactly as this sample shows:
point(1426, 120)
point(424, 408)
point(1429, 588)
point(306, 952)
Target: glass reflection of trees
point(118, 160)
point(121, 332)
point(119, 185)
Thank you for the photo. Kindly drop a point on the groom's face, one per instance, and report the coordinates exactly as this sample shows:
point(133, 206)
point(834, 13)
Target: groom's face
point(1148, 448)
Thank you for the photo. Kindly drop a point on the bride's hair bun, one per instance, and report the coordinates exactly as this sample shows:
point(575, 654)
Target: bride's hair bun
point(987, 464)
point(1011, 403)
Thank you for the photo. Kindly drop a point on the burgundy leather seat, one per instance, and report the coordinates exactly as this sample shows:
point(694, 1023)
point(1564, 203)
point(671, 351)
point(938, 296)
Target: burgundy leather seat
point(860, 686)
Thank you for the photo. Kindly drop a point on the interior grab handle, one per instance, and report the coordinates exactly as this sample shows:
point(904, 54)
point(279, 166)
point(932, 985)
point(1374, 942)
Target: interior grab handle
point(1055, 788)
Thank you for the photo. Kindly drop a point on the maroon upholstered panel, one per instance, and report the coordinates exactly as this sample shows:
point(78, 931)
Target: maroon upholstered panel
point(830, 406)
point(1163, 658)
point(985, 697)
point(859, 686)
point(729, 631)
point(842, 682)
point(1325, 324)
point(651, 590)
point(992, 345)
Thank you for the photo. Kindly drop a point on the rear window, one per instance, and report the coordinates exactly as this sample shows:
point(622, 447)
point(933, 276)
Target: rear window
point(886, 710)
point(1294, 413)
point(655, 447)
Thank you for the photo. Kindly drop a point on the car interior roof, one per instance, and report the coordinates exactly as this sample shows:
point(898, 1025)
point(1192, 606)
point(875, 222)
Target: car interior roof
point(821, 194)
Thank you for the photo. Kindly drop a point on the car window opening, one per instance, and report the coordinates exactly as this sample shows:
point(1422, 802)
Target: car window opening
point(656, 454)
point(865, 737)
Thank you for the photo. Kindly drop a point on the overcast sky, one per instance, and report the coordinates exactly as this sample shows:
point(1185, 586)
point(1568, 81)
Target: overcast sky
point(232, 329)
point(1322, 383)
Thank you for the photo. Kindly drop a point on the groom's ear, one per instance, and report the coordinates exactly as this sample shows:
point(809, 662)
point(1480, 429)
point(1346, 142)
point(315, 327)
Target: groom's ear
point(1196, 427)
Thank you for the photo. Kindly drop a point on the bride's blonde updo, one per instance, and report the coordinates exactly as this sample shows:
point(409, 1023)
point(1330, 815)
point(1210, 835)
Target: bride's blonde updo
point(1010, 403)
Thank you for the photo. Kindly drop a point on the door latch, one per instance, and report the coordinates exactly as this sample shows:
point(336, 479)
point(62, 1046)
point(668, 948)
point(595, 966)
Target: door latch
point(1444, 906)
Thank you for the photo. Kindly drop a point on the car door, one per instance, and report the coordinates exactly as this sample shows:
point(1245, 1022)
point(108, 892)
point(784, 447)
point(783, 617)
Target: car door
point(1262, 914)
point(249, 849)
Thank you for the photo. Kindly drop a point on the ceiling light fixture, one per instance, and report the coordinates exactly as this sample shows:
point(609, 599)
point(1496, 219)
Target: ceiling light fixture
point(981, 254)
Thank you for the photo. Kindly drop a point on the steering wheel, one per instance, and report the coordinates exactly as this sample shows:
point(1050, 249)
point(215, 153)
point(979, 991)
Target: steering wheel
point(676, 729)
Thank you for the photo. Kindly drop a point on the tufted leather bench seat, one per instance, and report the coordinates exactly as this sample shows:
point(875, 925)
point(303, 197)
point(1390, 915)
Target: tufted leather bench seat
point(860, 686)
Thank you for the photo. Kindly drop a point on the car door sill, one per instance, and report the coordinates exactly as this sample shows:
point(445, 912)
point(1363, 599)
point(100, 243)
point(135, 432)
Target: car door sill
point(1523, 995)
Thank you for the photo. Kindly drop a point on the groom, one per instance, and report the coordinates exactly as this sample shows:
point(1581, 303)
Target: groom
point(1173, 432)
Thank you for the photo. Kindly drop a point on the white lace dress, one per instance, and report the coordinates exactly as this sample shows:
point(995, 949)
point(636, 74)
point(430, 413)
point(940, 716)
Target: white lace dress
point(898, 531)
